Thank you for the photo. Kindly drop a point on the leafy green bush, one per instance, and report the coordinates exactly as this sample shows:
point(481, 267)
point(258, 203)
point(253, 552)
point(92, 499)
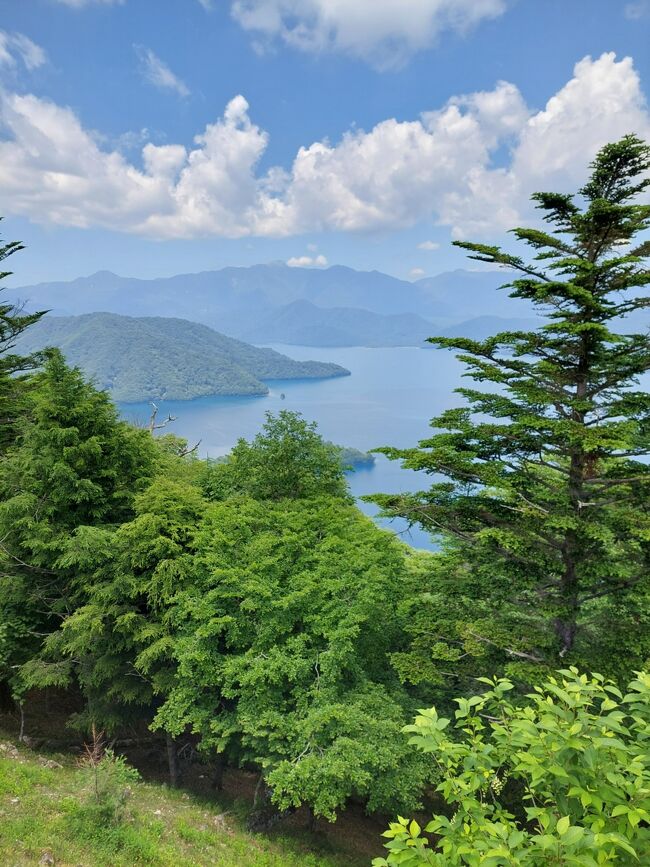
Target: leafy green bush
point(579, 753)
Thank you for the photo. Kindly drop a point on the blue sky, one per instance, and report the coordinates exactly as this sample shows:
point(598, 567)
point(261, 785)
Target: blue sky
point(366, 132)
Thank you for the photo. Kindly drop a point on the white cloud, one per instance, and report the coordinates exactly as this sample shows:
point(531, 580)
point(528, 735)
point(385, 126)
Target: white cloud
point(15, 46)
point(319, 261)
point(429, 245)
point(602, 102)
point(384, 32)
point(156, 72)
point(416, 273)
point(439, 167)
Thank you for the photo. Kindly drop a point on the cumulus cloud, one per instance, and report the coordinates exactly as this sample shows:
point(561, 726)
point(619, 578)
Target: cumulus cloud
point(429, 245)
point(156, 72)
point(416, 273)
point(447, 166)
point(319, 261)
point(384, 32)
point(17, 46)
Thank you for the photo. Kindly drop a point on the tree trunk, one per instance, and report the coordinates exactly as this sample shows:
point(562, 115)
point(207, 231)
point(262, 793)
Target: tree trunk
point(265, 815)
point(21, 734)
point(566, 624)
point(172, 760)
point(219, 767)
point(259, 792)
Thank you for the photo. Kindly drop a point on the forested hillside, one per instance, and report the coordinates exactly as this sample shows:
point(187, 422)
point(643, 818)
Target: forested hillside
point(155, 357)
point(243, 614)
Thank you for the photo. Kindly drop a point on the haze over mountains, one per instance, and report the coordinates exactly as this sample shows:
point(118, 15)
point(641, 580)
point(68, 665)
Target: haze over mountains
point(337, 306)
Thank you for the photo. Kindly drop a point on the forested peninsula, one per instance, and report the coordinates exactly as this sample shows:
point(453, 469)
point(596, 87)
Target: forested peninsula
point(152, 357)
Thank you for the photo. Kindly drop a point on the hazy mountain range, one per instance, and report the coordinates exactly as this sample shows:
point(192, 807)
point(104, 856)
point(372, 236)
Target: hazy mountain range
point(166, 337)
point(139, 359)
point(337, 306)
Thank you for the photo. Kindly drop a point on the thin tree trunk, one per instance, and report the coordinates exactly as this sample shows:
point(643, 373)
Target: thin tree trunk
point(21, 735)
point(172, 760)
point(217, 776)
point(258, 791)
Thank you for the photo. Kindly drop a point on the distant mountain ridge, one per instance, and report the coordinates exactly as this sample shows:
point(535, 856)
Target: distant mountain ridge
point(146, 358)
point(305, 324)
point(336, 306)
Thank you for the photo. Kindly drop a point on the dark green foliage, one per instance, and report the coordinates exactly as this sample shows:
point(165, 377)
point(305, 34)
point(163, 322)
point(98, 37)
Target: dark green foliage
point(74, 466)
point(117, 644)
point(155, 357)
point(287, 459)
point(13, 366)
point(545, 482)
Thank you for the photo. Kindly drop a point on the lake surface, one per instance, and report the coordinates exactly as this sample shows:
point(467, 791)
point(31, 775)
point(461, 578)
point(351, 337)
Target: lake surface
point(389, 398)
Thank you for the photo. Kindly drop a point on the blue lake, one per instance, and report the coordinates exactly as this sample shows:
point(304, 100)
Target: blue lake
point(389, 398)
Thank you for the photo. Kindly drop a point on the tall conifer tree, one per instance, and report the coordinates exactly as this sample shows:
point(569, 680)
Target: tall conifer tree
point(75, 466)
point(544, 483)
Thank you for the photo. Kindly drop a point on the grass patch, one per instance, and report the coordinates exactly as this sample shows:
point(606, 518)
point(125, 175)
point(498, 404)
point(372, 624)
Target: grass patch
point(51, 809)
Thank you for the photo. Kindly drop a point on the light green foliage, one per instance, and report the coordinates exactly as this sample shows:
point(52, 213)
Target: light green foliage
point(287, 459)
point(542, 483)
point(282, 645)
point(258, 621)
point(563, 778)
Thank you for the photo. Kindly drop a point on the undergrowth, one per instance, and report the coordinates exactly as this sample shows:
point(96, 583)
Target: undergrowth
point(104, 816)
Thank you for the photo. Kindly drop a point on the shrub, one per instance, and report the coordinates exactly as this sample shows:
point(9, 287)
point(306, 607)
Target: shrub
point(577, 751)
point(109, 780)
